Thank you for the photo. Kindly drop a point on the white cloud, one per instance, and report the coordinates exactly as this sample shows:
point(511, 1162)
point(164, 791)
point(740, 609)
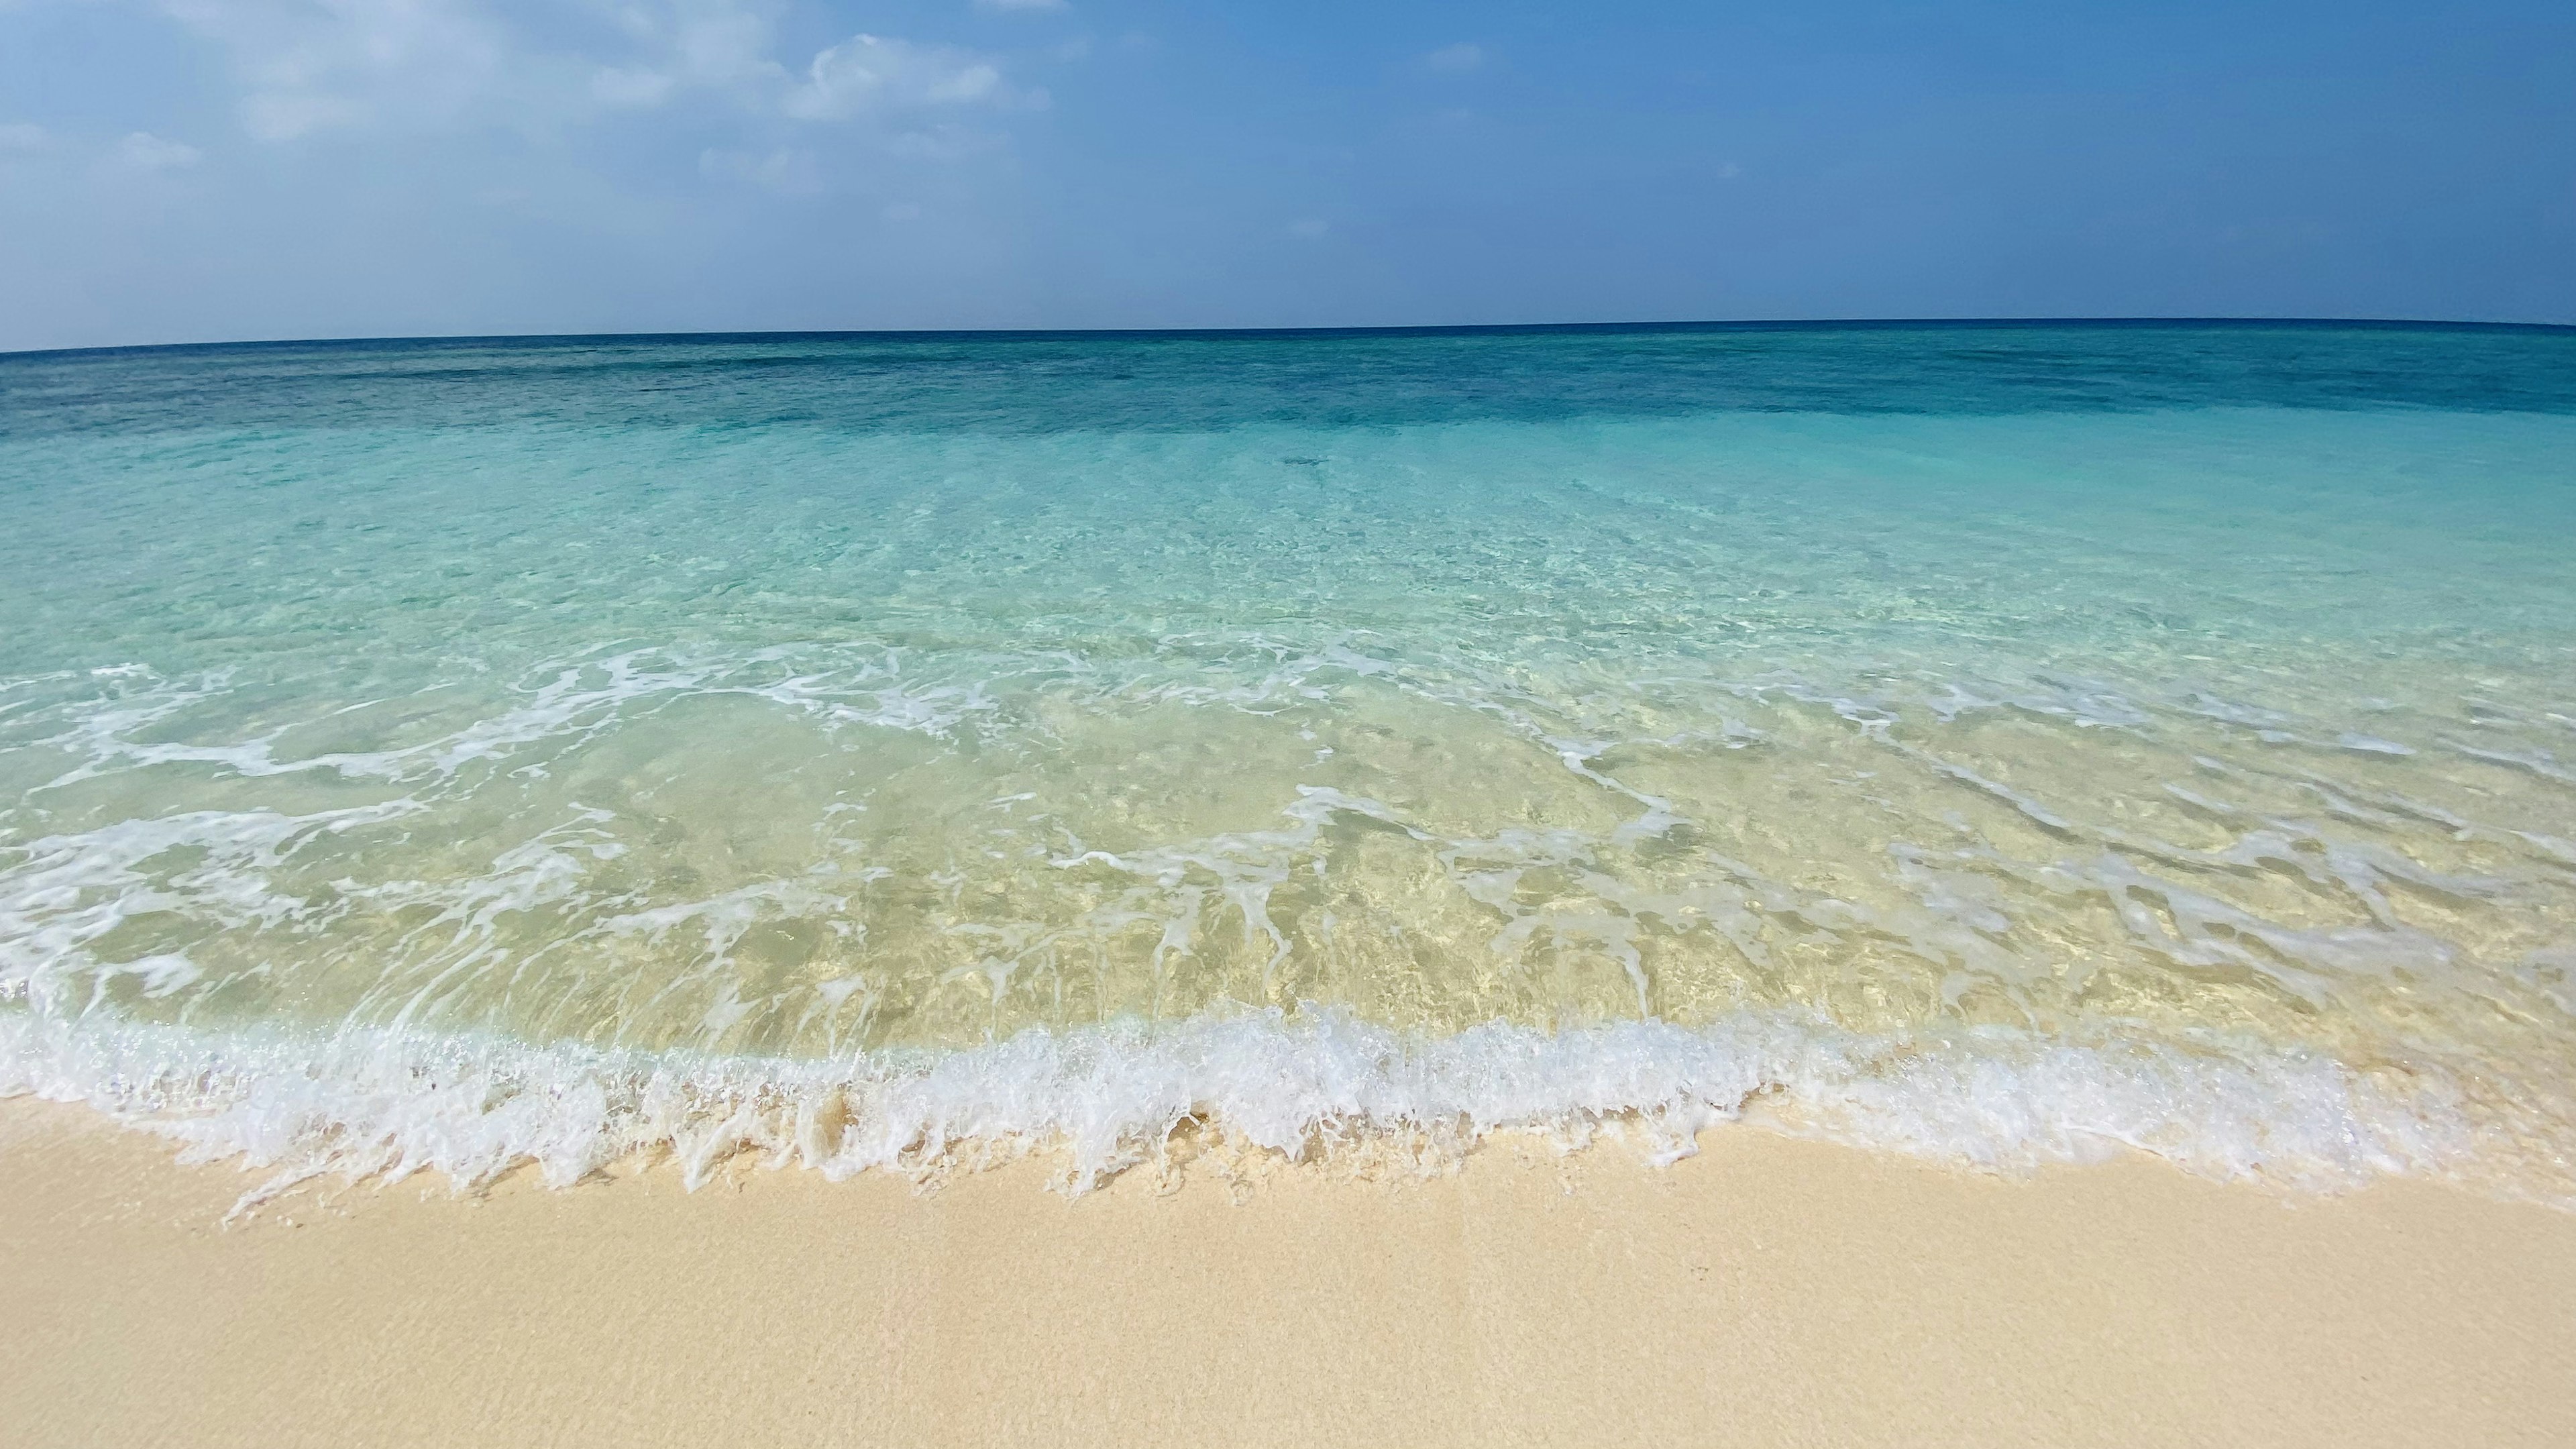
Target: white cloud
point(398, 167)
point(310, 67)
point(852, 116)
point(1465, 55)
point(873, 75)
point(313, 65)
point(613, 86)
point(787, 170)
point(285, 115)
point(146, 152)
point(718, 44)
point(941, 144)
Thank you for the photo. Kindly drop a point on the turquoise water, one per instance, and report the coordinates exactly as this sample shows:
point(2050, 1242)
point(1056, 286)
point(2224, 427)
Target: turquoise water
point(1999, 742)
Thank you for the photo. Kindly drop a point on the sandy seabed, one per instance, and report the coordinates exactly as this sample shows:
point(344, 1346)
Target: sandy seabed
point(1766, 1292)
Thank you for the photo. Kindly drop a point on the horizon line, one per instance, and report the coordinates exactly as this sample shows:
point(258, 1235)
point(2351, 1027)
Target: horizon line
point(1747, 324)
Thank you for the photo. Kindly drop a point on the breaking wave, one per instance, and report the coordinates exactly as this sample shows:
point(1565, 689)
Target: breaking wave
point(1300, 1086)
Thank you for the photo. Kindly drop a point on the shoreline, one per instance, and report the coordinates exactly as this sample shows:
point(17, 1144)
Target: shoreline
point(1108, 1098)
point(1767, 1291)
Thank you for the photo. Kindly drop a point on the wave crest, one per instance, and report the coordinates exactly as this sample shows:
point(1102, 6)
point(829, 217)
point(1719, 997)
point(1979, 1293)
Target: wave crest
point(1309, 1085)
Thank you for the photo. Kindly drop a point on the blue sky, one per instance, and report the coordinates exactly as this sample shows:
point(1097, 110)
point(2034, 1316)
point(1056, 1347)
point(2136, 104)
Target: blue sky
point(180, 170)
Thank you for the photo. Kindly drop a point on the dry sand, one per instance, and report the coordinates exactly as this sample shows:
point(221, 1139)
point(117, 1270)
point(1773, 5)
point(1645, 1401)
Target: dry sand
point(1766, 1292)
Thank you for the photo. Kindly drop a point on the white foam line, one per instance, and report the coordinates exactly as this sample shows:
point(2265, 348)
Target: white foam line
point(385, 1104)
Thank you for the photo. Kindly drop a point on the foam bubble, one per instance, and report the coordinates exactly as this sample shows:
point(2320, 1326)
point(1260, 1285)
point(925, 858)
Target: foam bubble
point(385, 1104)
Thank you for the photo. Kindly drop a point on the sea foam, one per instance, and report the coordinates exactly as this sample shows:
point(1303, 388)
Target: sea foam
point(1306, 1086)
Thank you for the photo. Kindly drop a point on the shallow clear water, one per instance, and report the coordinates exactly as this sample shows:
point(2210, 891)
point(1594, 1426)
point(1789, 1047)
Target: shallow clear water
point(1989, 741)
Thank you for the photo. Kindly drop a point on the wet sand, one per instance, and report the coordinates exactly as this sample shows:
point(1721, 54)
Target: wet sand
point(1767, 1292)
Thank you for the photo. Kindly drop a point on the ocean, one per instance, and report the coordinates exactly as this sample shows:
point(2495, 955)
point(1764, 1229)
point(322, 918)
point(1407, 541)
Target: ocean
point(2002, 743)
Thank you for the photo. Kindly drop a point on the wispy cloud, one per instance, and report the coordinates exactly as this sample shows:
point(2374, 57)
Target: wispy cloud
point(692, 45)
point(146, 152)
point(638, 87)
point(871, 75)
point(1464, 56)
point(309, 67)
point(787, 170)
